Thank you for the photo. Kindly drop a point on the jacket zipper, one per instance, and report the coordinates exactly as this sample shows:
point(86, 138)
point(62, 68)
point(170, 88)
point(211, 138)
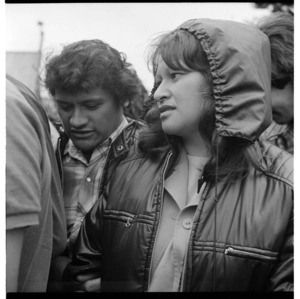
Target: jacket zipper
point(127, 218)
point(236, 252)
point(160, 212)
point(183, 278)
point(128, 222)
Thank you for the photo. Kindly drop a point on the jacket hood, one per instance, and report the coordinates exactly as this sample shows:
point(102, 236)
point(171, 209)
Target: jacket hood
point(240, 65)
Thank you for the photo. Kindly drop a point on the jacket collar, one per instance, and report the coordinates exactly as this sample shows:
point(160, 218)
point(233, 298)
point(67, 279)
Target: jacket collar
point(120, 145)
point(176, 184)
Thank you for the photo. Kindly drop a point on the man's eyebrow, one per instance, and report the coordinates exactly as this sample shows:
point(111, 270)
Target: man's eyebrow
point(60, 100)
point(93, 100)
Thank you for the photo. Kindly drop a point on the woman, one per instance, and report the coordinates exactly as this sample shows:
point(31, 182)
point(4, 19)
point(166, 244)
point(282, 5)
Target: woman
point(197, 202)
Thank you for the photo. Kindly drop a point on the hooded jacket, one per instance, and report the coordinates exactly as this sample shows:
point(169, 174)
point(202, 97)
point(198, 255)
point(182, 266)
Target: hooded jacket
point(242, 234)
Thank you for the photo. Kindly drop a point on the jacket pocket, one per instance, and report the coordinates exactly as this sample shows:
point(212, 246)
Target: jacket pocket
point(121, 216)
point(252, 253)
point(127, 218)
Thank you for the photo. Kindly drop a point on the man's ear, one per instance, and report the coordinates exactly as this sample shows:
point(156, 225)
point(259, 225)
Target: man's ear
point(125, 104)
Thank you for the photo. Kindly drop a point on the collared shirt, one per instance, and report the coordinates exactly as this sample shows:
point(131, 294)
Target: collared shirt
point(180, 202)
point(82, 181)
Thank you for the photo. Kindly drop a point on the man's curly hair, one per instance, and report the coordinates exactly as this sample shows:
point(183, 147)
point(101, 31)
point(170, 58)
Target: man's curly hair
point(90, 64)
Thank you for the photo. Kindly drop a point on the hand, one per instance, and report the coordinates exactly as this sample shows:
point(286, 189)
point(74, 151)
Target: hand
point(88, 283)
point(57, 268)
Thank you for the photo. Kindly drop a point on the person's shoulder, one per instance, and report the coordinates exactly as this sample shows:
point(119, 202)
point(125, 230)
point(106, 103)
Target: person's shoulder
point(125, 147)
point(274, 130)
point(134, 128)
point(277, 162)
point(16, 104)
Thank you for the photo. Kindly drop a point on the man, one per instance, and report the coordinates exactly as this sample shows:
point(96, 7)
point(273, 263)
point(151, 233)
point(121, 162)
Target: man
point(91, 84)
point(279, 27)
point(35, 221)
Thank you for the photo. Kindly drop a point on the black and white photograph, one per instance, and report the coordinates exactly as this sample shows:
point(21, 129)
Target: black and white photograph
point(149, 147)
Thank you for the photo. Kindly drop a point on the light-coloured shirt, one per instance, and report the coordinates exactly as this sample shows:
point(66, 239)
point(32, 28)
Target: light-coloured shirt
point(180, 203)
point(82, 182)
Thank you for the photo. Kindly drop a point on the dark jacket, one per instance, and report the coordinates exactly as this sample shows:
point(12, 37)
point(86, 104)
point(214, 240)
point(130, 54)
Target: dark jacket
point(242, 235)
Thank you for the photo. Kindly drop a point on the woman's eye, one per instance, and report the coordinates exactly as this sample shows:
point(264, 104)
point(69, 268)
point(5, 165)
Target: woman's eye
point(175, 75)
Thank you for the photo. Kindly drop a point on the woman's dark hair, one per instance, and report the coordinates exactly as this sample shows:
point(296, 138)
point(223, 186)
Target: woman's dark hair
point(89, 64)
point(231, 156)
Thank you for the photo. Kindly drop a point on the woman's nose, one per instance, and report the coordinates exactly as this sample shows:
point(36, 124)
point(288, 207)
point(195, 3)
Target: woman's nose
point(161, 93)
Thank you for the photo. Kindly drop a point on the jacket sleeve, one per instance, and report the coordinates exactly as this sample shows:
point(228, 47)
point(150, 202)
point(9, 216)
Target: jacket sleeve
point(87, 250)
point(282, 277)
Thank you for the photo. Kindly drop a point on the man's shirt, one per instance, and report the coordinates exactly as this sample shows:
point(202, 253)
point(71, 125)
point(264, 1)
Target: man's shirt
point(82, 182)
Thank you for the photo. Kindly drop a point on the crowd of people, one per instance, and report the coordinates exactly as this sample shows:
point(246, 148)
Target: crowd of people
point(189, 189)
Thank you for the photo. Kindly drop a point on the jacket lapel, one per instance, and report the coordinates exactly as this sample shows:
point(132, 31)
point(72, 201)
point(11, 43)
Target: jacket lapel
point(176, 184)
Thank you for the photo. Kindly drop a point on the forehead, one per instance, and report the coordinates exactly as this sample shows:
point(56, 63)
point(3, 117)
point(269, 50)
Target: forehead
point(93, 94)
point(164, 66)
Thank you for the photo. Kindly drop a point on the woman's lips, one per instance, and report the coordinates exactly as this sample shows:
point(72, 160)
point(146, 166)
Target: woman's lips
point(165, 108)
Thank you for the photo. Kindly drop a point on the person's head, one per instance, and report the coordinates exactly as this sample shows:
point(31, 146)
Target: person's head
point(203, 70)
point(187, 105)
point(279, 27)
point(90, 82)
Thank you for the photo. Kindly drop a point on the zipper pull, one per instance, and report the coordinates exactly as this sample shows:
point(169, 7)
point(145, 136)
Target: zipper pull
point(200, 182)
point(128, 222)
point(227, 250)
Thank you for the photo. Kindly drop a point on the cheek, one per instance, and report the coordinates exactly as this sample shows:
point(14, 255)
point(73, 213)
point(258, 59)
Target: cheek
point(192, 110)
point(277, 98)
point(64, 117)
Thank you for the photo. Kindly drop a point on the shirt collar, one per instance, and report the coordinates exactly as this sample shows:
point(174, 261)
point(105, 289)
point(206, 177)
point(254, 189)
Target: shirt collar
point(73, 151)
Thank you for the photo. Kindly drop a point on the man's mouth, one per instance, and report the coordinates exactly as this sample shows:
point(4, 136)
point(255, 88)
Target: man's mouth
point(81, 134)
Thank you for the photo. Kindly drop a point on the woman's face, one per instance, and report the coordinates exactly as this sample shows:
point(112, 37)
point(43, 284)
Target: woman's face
point(180, 97)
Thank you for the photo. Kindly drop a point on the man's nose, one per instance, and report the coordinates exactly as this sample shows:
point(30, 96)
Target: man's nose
point(78, 118)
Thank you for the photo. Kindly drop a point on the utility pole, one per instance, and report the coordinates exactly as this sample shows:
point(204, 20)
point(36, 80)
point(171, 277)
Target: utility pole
point(37, 91)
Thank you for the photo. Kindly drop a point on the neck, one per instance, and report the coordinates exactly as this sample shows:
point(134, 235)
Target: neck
point(195, 146)
point(88, 155)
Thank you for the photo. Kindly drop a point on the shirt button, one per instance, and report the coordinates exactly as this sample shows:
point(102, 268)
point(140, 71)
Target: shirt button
point(119, 147)
point(187, 223)
point(88, 179)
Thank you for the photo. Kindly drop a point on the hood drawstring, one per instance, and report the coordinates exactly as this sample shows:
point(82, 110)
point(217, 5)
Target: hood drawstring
point(215, 223)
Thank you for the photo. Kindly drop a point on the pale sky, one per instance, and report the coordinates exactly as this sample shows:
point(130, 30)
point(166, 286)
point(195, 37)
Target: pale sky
point(128, 27)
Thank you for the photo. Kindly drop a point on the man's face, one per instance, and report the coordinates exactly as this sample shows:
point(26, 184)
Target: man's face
point(89, 118)
point(283, 104)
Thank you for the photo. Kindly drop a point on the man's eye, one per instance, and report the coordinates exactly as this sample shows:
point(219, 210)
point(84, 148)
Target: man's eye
point(92, 106)
point(65, 107)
